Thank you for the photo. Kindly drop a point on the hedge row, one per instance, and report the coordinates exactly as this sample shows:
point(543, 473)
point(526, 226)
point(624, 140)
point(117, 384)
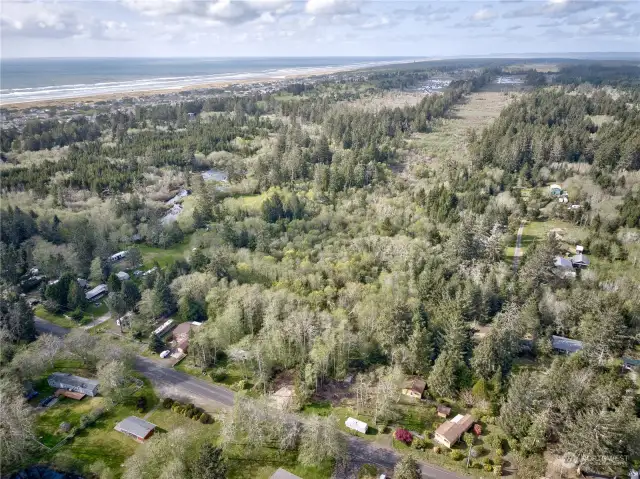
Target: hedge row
point(188, 410)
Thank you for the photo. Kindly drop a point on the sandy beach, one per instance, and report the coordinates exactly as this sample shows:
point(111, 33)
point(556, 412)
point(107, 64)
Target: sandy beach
point(134, 93)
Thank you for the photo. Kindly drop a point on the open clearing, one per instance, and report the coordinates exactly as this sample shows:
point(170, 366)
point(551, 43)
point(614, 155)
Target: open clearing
point(448, 139)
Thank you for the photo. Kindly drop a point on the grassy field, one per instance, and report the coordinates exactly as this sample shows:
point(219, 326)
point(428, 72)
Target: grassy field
point(448, 138)
point(251, 203)
point(98, 441)
point(163, 257)
point(92, 312)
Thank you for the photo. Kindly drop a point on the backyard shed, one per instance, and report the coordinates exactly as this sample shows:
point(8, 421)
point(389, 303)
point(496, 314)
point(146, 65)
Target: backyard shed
point(356, 425)
point(451, 431)
point(137, 428)
point(443, 411)
point(74, 383)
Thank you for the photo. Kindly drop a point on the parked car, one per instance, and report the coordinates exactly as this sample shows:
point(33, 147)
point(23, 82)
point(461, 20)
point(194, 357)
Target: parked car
point(165, 353)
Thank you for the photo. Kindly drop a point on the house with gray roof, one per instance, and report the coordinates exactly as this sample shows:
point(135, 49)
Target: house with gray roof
point(566, 345)
point(137, 428)
point(77, 384)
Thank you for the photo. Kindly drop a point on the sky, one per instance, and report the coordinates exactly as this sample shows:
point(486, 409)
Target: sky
point(227, 28)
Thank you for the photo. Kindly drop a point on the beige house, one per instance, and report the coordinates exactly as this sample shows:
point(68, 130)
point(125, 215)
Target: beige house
point(414, 388)
point(451, 431)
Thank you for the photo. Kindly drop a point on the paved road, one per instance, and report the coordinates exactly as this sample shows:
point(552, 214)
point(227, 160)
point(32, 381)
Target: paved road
point(97, 321)
point(360, 452)
point(164, 377)
point(178, 384)
point(517, 254)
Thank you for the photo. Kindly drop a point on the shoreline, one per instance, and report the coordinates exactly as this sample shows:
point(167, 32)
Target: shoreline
point(222, 83)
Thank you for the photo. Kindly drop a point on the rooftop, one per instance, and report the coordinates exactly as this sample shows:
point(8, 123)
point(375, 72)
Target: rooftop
point(456, 427)
point(72, 380)
point(416, 384)
point(135, 426)
point(566, 344)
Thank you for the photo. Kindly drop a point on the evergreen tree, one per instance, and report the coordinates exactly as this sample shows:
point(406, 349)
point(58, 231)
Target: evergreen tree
point(163, 301)
point(210, 463)
point(407, 468)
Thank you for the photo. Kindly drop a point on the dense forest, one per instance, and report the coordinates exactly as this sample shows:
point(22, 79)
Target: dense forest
point(319, 260)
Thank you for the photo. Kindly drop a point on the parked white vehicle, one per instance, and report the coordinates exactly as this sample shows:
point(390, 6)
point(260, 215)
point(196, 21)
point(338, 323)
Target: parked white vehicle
point(164, 354)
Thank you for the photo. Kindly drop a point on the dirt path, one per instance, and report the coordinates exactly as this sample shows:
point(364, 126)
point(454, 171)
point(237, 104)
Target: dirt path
point(517, 254)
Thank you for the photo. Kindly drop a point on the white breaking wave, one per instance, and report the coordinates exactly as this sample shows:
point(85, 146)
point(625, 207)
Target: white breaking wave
point(26, 95)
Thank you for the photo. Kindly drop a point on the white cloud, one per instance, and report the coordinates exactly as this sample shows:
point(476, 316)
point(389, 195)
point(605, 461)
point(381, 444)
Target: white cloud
point(555, 8)
point(483, 15)
point(53, 21)
point(223, 11)
point(332, 7)
point(377, 22)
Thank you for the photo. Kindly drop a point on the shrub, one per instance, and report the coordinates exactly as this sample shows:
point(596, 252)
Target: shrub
point(456, 455)
point(403, 435)
point(488, 467)
point(477, 465)
point(218, 375)
point(76, 314)
point(477, 451)
point(85, 421)
point(494, 440)
point(497, 470)
point(421, 444)
point(205, 418)
point(499, 452)
point(141, 404)
point(513, 443)
point(498, 461)
point(240, 385)
point(189, 413)
point(167, 403)
point(488, 460)
point(196, 416)
point(437, 449)
point(368, 471)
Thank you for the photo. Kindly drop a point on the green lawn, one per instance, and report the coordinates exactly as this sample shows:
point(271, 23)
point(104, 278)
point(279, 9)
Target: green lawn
point(163, 257)
point(92, 312)
point(251, 203)
point(55, 318)
point(98, 441)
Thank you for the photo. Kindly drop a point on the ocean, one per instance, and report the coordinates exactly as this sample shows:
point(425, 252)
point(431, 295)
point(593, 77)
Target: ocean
point(29, 80)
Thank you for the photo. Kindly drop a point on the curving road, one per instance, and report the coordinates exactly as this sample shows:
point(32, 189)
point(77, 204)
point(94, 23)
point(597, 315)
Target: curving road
point(175, 383)
point(179, 385)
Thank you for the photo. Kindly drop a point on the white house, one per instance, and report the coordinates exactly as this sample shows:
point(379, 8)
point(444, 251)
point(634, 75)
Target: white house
point(356, 425)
